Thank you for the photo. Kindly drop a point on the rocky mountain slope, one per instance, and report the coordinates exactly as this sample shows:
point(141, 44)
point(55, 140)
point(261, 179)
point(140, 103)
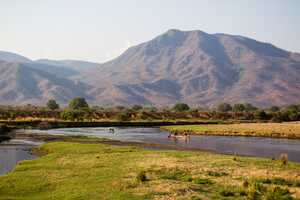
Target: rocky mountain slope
point(177, 66)
point(200, 69)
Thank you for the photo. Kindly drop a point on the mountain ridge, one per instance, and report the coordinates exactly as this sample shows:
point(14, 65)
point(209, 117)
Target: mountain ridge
point(195, 67)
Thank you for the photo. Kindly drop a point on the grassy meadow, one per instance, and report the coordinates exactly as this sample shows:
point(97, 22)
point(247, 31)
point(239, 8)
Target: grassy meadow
point(280, 130)
point(73, 170)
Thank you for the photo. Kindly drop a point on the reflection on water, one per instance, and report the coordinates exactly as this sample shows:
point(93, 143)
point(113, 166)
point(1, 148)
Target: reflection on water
point(250, 146)
point(11, 152)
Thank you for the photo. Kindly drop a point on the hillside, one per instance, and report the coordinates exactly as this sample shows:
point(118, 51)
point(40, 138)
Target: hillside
point(200, 69)
point(195, 67)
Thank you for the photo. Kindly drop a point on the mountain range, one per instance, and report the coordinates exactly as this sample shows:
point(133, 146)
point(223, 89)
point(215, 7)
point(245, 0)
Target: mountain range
point(194, 67)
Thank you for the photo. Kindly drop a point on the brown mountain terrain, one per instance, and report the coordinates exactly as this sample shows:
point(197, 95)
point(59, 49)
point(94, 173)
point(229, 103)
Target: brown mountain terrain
point(199, 69)
point(177, 66)
point(21, 84)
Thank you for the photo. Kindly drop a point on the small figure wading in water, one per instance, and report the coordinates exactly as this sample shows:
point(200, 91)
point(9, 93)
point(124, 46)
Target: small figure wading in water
point(175, 135)
point(111, 130)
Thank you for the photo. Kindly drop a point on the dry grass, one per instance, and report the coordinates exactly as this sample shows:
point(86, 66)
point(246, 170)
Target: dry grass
point(280, 130)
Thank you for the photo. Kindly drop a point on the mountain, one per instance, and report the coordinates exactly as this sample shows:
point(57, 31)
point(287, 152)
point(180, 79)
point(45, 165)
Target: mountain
point(76, 65)
point(21, 84)
point(195, 67)
point(12, 57)
point(199, 69)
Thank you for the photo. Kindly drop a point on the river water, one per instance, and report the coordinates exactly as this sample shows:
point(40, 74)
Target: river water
point(247, 146)
point(13, 151)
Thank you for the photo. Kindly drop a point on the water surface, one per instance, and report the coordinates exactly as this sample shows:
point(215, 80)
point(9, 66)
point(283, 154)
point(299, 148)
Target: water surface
point(13, 151)
point(248, 146)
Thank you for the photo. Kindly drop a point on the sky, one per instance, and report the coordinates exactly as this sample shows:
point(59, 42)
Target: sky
point(100, 30)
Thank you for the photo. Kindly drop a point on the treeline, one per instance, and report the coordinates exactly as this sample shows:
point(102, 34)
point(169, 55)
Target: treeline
point(79, 110)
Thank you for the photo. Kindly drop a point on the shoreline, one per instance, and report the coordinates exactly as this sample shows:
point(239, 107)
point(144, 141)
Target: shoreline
point(264, 130)
point(143, 145)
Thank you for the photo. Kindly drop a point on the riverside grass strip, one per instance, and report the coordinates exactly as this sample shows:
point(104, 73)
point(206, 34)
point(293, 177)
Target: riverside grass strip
point(277, 130)
point(72, 170)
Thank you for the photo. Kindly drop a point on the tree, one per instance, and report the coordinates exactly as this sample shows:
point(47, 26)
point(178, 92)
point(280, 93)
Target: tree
point(78, 103)
point(52, 105)
point(238, 107)
point(180, 107)
point(274, 109)
point(137, 107)
point(249, 107)
point(261, 114)
point(224, 107)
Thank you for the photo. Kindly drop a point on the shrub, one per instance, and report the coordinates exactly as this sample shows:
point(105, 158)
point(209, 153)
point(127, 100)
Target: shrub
point(239, 107)
point(141, 176)
point(78, 103)
point(180, 107)
point(124, 116)
point(224, 107)
point(52, 105)
point(261, 114)
point(137, 107)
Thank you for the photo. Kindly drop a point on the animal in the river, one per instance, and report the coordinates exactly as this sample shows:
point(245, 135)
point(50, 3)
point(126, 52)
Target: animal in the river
point(112, 130)
point(176, 136)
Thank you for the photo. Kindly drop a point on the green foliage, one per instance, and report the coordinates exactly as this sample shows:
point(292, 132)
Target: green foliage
point(260, 114)
point(180, 107)
point(216, 174)
point(239, 107)
point(274, 109)
point(249, 107)
point(124, 116)
point(137, 107)
point(73, 115)
point(52, 105)
point(278, 193)
point(224, 107)
point(78, 103)
point(174, 174)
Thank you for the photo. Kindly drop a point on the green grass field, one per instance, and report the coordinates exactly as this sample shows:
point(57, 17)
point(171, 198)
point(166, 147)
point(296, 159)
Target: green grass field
point(281, 130)
point(73, 170)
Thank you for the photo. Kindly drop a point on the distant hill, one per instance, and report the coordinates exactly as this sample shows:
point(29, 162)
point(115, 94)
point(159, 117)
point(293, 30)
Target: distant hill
point(21, 84)
point(12, 57)
point(195, 67)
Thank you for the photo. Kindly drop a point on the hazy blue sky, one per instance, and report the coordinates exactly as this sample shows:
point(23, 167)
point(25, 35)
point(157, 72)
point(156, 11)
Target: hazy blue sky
point(98, 30)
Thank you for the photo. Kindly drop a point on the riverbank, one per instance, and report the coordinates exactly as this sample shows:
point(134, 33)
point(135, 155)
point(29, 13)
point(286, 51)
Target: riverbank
point(272, 130)
point(84, 169)
point(38, 123)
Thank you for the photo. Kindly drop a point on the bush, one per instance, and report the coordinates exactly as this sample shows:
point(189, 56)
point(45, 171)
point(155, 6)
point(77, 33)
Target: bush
point(141, 176)
point(261, 115)
point(137, 107)
point(239, 107)
point(73, 115)
point(180, 107)
point(52, 105)
point(124, 116)
point(224, 107)
point(78, 103)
